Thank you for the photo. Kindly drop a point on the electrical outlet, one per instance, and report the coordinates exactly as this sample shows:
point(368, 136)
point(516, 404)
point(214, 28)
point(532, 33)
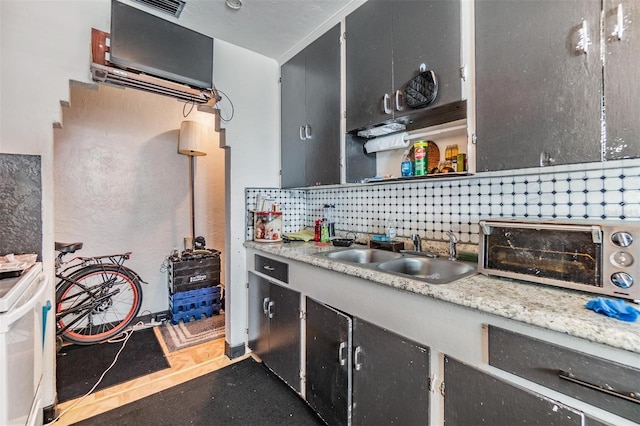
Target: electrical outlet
point(161, 317)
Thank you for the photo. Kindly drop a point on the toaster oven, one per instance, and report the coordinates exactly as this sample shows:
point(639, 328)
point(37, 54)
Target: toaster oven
point(599, 257)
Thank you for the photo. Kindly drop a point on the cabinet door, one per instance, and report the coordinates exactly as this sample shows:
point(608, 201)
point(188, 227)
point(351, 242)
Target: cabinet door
point(322, 83)
point(621, 83)
point(536, 93)
point(292, 146)
point(473, 397)
point(369, 68)
point(284, 334)
point(258, 302)
point(427, 32)
point(328, 363)
point(390, 378)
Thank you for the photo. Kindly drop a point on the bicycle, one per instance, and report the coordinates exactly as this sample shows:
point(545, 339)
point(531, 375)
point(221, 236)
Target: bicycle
point(97, 297)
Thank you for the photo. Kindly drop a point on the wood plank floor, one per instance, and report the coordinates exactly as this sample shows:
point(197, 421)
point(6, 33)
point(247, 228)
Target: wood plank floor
point(185, 365)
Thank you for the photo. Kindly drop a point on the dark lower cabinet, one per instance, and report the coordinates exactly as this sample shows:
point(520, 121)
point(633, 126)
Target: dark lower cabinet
point(274, 328)
point(597, 381)
point(328, 362)
point(390, 377)
point(473, 397)
point(389, 374)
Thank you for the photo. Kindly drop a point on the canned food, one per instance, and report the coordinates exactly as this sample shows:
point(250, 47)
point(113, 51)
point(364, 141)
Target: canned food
point(462, 163)
point(420, 158)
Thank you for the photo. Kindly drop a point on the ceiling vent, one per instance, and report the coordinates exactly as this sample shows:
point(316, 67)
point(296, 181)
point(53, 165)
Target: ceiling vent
point(172, 7)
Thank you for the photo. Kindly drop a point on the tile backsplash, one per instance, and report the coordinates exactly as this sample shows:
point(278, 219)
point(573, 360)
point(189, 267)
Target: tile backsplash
point(430, 207)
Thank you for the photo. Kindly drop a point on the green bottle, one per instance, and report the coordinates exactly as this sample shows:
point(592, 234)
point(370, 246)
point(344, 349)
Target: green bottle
point(324, 236)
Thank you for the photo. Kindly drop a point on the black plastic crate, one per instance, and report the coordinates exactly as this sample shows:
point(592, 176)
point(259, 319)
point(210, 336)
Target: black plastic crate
point(194, 272)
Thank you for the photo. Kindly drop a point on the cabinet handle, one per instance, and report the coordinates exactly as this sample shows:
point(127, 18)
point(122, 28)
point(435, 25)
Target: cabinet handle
point(385, 104)
point(618, 32)
point(307, 131)
point(270, 309)
point(268, 268)
point(341, 357)
point(302, 137)
point(398, 100)
point(583, 38)
point(265, 302)
point(357, 364)
point(630, 396)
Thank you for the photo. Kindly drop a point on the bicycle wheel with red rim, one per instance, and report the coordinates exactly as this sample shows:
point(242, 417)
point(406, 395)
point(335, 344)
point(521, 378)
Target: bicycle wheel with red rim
point(97, 304)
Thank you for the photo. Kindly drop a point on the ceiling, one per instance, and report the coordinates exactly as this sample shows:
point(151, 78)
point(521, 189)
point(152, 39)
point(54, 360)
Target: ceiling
point(269, 27)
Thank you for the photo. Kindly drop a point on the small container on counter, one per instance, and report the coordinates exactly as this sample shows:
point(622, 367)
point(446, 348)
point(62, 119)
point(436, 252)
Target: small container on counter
point(267, 226)
point(324, 235)
point(317, 235)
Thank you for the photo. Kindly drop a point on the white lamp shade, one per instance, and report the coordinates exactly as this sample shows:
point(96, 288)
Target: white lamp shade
point(193, 137)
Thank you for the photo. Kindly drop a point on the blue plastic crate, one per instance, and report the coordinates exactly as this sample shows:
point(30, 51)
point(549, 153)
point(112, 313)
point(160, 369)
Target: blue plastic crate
point(193, 299)
point(195, 314)
point(201, 292)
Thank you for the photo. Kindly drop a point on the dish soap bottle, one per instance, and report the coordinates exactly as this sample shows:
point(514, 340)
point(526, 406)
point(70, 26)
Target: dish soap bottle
point(406, 167)
point(390, 228)
point(324, 234)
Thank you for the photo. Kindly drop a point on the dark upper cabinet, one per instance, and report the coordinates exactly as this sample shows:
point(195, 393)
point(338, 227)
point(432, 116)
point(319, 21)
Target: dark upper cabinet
point(310, 114)
point(387, 41)
point(369, 64)
point(545, 91)
point(621, 84)
point(537, 95)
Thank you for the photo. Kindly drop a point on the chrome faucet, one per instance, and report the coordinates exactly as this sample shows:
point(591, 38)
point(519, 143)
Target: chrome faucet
point(453, 252)
point(417, 242)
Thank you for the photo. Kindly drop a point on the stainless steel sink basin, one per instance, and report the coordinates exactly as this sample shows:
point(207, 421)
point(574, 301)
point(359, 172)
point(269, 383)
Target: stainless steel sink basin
point(433, 271)
point(362, 255)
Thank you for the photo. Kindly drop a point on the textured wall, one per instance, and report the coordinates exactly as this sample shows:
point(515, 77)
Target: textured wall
point(120, 184)
point(20, 204)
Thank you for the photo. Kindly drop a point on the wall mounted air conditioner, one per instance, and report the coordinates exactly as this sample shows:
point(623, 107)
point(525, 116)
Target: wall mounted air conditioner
point(104, 71)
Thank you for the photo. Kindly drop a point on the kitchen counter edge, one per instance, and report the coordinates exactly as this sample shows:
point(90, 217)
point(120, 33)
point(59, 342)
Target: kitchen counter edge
point(547, 307)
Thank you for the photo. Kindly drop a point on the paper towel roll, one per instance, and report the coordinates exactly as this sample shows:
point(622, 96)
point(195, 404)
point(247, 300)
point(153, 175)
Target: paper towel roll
point(386, 143)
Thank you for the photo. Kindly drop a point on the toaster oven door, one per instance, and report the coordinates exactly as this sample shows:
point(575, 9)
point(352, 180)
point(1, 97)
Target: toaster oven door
point(548, 253)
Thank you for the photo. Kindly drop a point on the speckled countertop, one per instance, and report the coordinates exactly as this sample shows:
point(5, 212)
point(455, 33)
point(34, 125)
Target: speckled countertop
point(547, 307)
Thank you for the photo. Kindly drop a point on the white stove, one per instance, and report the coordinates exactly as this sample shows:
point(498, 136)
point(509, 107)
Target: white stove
point(24, 311)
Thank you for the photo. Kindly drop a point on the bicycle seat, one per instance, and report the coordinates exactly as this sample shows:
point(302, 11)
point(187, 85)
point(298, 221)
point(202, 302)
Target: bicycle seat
point(68, 247)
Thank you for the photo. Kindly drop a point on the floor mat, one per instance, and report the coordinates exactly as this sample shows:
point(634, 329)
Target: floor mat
point(245, 393)
point(79, 367)
point(184, 335)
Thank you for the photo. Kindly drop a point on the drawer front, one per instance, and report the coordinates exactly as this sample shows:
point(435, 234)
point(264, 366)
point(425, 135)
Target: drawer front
point(597, 381)
point(272, 268)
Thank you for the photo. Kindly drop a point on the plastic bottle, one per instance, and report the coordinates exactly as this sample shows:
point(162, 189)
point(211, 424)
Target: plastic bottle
point(318, 230)
point(390, 228)
point(406, 167)
point(324, 237)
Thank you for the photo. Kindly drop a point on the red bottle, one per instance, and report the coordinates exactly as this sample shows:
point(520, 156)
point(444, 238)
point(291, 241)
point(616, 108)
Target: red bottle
point(318, 230)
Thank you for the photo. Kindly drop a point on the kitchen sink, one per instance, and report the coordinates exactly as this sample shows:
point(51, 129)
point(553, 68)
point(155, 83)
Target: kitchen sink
point(362, 255)
point(432, 271)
